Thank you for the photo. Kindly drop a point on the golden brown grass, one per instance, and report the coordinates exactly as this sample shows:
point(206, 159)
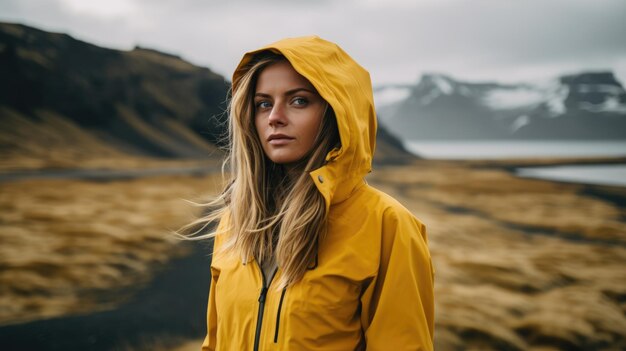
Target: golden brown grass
point(52, 139)
point(520, 264)
point(494, 193)
point(500, 287)
point(65, 241)
point(163, 343)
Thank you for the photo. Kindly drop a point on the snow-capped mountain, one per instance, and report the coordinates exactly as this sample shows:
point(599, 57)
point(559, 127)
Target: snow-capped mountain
point(574, 107)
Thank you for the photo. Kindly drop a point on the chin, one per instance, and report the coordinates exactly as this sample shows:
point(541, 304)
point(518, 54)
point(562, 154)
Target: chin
point(285, 159)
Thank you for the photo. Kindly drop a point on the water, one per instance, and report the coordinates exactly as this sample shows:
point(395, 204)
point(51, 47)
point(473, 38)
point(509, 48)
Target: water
point(613, 174)
point(515, 149)
point(588, 174)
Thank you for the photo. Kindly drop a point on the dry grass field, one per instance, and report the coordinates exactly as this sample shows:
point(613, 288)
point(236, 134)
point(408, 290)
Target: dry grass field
point(65, 242)
point(52, 140)
point(520, 264)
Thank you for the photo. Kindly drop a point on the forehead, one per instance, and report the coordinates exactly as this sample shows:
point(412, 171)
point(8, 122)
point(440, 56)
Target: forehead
point(281, 75)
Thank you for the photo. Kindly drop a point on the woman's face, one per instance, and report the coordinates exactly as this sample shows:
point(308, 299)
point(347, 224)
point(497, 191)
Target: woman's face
point(288, 113)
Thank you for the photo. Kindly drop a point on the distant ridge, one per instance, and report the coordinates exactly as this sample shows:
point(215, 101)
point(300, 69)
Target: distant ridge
point(585, 106)
point(141, 48)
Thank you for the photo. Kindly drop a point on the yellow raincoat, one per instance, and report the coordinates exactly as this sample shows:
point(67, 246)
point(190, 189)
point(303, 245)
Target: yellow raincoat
point(372, 285)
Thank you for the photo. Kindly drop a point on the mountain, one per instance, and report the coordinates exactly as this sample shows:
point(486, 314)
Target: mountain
point(66, 103)
point(586, 106)
point(139, 102)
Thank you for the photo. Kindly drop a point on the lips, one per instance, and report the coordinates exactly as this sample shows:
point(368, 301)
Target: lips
point(279, 139)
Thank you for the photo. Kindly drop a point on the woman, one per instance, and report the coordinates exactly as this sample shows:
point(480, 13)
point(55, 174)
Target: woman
point(307, 255)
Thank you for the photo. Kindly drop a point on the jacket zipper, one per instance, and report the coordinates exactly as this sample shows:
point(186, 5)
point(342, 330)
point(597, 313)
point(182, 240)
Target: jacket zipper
point(262, 296)
point(280, 306)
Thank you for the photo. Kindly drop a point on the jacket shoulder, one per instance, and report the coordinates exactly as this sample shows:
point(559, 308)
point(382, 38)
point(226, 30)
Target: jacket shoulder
point(386, 203)
point(396, 218)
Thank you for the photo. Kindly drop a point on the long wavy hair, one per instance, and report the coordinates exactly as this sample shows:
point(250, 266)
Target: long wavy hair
point(271, 214)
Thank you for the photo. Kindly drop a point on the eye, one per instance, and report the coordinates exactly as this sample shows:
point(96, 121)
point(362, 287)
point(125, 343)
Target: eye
point(299, 101)
point(263, 104)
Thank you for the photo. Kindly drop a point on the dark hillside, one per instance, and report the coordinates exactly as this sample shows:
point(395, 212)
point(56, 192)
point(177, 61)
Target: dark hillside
point(140, 101)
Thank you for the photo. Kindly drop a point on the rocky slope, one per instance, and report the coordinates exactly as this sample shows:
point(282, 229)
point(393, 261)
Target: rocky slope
point(139, 102)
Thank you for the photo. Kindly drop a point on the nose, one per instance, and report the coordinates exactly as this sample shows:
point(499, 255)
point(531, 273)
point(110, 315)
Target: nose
point(277, 116)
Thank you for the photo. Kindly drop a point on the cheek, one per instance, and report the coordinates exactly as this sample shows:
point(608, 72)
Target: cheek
point(313, 126)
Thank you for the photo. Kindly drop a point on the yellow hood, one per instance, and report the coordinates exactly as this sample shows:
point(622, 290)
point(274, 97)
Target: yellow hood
point(347, 87)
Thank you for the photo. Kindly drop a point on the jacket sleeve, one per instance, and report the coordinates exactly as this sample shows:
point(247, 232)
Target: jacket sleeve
point(211, 317)
point(398, 304)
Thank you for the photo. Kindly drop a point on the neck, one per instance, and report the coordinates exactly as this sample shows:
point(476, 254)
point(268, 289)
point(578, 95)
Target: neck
point(292, 172)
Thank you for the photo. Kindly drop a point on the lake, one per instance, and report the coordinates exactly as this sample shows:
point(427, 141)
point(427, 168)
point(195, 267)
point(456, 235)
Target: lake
point(614, 174)
point(514, 149)
point(590, 174)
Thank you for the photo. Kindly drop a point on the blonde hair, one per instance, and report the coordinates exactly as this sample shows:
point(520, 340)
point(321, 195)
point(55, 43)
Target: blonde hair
point(270, 214)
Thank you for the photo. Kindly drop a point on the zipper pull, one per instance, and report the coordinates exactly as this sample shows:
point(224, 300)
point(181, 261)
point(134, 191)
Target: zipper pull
point(263, 294)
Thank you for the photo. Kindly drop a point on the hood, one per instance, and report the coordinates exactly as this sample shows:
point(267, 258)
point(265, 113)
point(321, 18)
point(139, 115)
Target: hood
point(347, 87)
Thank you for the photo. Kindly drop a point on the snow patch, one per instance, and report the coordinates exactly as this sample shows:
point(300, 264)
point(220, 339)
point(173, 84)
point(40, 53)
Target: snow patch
point(556, 101)
point(549, 92)
point(520, 122)
point(610, 104)
point(391, 95)
point(443, 84)
point(428, 98)
point(509, 99)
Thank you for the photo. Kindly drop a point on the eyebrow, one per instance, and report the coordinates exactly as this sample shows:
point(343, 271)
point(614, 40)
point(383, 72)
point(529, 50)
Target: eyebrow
point(287, 93)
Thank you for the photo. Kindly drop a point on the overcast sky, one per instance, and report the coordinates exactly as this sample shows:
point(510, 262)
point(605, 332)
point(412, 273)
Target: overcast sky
point(396, 40)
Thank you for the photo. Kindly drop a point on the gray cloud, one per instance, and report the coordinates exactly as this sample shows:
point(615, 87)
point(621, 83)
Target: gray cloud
point(396, 40)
